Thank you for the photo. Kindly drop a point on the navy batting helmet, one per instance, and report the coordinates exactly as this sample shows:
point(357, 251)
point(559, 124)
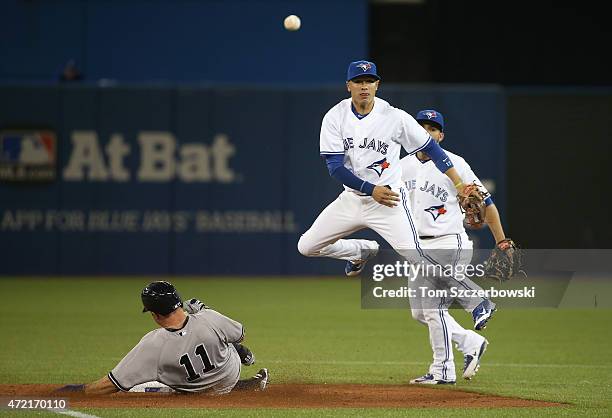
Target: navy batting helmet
point(431, 116)
point(160, 297)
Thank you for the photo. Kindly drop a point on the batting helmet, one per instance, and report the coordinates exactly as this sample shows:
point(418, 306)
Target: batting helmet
point(160, 297)
point(431, 116)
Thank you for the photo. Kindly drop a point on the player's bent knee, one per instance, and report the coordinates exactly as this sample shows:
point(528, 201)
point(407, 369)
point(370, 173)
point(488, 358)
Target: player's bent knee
point(306, 248)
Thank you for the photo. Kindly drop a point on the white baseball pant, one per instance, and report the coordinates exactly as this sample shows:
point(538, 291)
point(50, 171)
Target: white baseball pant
point(455, 249)
point(350, 213)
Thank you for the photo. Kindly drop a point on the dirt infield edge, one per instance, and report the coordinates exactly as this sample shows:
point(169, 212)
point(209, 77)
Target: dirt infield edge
point(287, 396)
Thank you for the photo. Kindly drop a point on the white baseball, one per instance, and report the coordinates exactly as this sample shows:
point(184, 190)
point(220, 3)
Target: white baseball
point(292, 23)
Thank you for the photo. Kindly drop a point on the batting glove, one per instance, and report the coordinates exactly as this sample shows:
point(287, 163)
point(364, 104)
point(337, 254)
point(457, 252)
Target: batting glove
point(246, 356)
point(71, 388)
point(193, 306)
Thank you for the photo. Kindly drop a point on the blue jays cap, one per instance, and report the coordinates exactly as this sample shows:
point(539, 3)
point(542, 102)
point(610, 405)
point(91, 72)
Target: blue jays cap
point(430, 116)
point(357, 68)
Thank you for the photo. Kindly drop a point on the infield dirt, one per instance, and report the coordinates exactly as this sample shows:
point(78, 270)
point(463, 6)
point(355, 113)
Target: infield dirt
point(287, 396)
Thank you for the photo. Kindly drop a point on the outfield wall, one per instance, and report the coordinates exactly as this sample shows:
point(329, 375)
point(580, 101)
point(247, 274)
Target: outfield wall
point(182, 40)
point(192, 180)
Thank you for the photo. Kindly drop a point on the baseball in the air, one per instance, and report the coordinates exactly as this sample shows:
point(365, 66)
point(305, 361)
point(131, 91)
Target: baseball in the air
point(292, 23)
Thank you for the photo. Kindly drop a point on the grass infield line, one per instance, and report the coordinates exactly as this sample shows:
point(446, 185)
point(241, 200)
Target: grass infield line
point(421, 363)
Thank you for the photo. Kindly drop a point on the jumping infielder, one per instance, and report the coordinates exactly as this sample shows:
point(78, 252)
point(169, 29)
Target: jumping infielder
point(439, 222)
point(360, 141)
point(197, 351)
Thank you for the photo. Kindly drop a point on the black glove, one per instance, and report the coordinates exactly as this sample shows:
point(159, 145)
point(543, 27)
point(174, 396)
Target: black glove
point(246, 356)
point(71, 388)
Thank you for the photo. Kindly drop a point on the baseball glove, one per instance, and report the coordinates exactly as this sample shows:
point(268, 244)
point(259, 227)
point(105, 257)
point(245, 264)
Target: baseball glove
point(471, 200)
point(504, 262)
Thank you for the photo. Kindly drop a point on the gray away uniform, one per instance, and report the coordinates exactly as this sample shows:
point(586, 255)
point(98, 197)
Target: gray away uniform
point(199, 357)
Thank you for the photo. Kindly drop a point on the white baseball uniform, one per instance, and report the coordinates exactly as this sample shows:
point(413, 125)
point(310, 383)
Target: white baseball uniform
point(439, 222)
point(371, 148)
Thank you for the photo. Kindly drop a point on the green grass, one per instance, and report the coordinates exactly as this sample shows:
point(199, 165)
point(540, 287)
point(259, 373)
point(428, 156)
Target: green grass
point(306, 330)
point(317, 412)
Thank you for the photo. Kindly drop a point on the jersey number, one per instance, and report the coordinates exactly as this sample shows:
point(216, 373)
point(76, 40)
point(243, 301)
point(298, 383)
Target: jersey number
point(186, 362)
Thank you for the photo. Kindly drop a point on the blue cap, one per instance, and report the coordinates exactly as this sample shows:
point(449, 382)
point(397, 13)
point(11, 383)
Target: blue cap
point(357, 68)
point(430, 115)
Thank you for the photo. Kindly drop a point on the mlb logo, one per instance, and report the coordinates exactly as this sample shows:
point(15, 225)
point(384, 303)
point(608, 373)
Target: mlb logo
point(27, 155)
point(27, 147)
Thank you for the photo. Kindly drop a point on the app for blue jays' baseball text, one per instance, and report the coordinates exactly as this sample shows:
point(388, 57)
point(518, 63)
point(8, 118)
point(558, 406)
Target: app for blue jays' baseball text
point(27, 155)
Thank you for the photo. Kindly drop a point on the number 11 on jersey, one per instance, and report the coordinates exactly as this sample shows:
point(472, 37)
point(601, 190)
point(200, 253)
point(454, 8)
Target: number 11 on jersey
point(185, 361)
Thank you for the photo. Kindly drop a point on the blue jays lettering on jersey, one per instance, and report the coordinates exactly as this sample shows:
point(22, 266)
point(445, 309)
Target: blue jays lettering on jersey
point(436, 191)
point(371, 145)
point(348, 144)
point(435, 207)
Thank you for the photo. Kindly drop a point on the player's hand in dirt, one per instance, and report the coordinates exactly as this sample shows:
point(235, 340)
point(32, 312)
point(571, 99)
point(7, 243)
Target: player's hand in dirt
point(71, 388)
point(385, 196)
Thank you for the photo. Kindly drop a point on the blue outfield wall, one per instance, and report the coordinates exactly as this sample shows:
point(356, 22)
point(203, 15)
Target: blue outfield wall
point(196, 180)
point(182, 40)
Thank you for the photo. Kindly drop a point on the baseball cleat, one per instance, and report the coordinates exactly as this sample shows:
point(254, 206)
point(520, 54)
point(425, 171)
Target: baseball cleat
point(471, 362)
point(354, 268)
point(482, 313)
point(256, 383)
point(429, 379)
point(262, 377)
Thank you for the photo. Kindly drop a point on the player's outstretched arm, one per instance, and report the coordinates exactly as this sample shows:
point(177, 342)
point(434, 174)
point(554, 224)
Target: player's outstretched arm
point(101, 387)
point(493, 220)
point(453, 174)
point(443, 163)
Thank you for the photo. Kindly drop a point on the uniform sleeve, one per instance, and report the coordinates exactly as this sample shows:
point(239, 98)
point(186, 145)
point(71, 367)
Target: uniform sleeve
point(410, 135)
point(231, 330)
point(331, 141)
point(138, 366)
point(468, 177)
